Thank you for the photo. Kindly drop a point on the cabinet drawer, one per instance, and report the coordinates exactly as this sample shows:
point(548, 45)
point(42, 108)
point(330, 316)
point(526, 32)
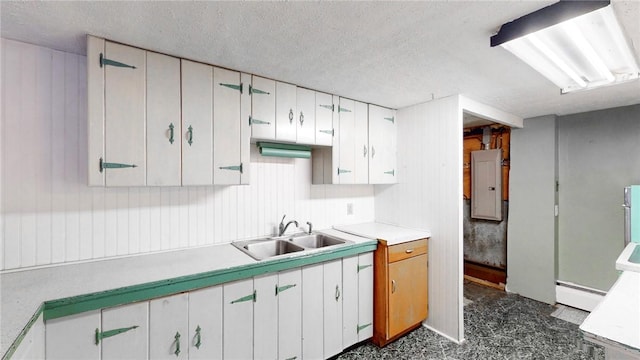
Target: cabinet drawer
point(407, 250)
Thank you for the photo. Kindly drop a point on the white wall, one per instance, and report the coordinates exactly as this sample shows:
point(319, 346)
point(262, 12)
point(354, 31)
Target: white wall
point(50, 216)
point(429, 196)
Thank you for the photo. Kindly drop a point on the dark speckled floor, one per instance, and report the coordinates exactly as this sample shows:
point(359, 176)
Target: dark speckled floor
point(497, 326)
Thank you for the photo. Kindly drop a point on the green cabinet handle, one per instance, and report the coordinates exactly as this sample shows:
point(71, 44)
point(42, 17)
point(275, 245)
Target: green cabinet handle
point(341, 109)
point(257, 122)
point(390, 172)
point(198, 337)
point(108, 165)
point(280, 289)
point(177, 341)
point(251, 297)
point(104, 62)
point(235, 167)
point(171, 127)
point(330, 132)
point(253, 90)
point(337, 293)
point(360, 327)
point(190, 132)
point(109, 333)
point(343, 171)
point(233, 86)
point(330, 107)
point(301, 118)
point(290, 116)
point(362, 267)
point(392, 119)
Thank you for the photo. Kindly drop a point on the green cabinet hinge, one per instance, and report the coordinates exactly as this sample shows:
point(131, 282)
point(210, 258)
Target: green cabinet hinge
point(280, 289)
point(360, 327)
point(390, 172)
point(392, 119)
point(257, 122)
point(109, 333)
point(341, 109)
point(253, 90)
point(330, 132)
point(233, 86)
point(235, 168)
point(330, 107)
point(104, 62)
point(107, 165)
point(343, 171)
point(362, 267)
point(251, 297)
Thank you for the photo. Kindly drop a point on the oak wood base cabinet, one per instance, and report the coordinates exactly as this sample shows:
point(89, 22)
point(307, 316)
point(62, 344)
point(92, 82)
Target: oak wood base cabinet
point(400, 289)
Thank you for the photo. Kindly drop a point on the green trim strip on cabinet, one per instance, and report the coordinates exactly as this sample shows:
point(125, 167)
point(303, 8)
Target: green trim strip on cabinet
point(108, 165)
point(330, 132)
point(235, 167)
point(253, 90)
point(390, 172)
point(16, 343)
point(104, 62)
point(251, 297)
point(343, 171)
point(360, 327)
point(341, 109)
point(109, 333)
point(330, 107)
point(362, 267)
point(233, 86)
point(257, 122)
point(280, 289)
point(392, 119)
point(126, 295)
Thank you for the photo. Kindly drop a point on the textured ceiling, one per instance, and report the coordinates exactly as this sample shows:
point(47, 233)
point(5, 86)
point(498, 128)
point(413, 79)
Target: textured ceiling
point(390, 53)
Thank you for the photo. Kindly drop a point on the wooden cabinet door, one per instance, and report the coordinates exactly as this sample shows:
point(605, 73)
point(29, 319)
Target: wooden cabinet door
point(197, 127)
point(350, 301)
point(238, 332)
point(73, 337)
point(289, 296)
point(265, 316)
point(205, 324)
point(312, 317)
point(361, 143)
point(324, 119)
point(365, 296)
point(169, 327)
point(305, 118)
point(227, 162)
point(382, 145)
point(346, 138)
point(285, 112)
point(332, 296)
point(263, 108)
point(164, 148)
point(124, 94)
point(133, 341)
point(407, 293)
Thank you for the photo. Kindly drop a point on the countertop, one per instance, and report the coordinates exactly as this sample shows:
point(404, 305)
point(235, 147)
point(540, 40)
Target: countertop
point(616, 320)
point(623, 263)
point(390, 233)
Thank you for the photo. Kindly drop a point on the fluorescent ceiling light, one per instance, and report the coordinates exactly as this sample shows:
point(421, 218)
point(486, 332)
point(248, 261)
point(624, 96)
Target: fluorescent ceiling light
point(577, 45)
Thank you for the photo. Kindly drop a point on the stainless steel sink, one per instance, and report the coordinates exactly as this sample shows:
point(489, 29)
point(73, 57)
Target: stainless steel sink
point(263, 249)
point(315, 241)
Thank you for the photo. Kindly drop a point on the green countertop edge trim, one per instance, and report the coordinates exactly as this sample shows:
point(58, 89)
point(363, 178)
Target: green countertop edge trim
point(14, 346)
point(78, 304)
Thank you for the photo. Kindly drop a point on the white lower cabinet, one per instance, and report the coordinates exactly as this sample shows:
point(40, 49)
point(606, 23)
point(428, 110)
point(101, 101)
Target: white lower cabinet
point(265, 317)
point(289, 296)
point(238, 319)
point(73, 337)
point(312, 319)
point(168, 327)
point(357, 282)
point(124, 332)
point(205, 324)
point(332, 296)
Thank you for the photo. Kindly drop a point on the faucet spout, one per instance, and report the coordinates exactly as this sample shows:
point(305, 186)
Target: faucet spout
point(282, 227)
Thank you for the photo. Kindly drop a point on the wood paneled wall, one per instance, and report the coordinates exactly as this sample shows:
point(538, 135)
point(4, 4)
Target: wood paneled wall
point(429, 196)
point(50, 216)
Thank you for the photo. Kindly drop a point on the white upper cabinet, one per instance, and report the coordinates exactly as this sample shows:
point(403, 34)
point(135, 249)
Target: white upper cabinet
point(227, 132)
point(382, 145)
point(305, 118)
point(361, 142)
point(245, 128)
point(347, 139)
point(263, 108)
point(197, 124)
point(164, 148)
point(324, 119)
point(285, 112)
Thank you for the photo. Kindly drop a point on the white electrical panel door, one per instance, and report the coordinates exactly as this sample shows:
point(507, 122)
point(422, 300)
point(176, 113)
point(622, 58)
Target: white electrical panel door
point(306, 116)
point(382, 145)
point(263, 108)
point(124, 162)
point(289, 295)
point(324, 119)
point(238, 305)
point(169, 327)
point(285, 112)
point(265, 317)
point(347, 140)
point(164, 145)
point(227, 162)
point(361, 141)
point(205, 324)
point(125, 332)
point(197, 127)
point(486, 184)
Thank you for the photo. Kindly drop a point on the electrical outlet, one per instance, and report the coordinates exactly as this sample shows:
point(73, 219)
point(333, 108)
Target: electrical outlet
point(349, 208)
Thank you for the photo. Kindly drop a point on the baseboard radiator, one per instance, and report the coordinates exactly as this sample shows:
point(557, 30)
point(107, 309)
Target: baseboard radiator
point(578, 296)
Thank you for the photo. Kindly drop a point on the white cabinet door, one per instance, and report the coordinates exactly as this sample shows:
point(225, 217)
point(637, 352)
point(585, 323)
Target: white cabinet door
point(95, 110)
point(169, 327)
point(324, 119)
point(205, 324)
point(197, 128)
point(265, 316)
point(285, 112)
point(305, 118)
point(238, 314)
point(164, 148)
point(245, 128)
point(312, 317)
point(365, 296)
point(124, 95)
point(227, 162)
point(347, 140)
point(350, 301)
point(382, 144)
point(289, 295)
point(332, 296)
point(125, 332)
point(73, 337)
point(263, 108)
point(361, 142)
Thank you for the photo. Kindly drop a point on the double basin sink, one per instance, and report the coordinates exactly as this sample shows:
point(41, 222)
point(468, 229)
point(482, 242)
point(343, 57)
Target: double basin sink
point(267, 248)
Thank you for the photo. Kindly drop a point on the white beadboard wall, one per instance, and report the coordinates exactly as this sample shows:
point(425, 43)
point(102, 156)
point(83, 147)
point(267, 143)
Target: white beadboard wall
point(429, 196)
point(50, 216)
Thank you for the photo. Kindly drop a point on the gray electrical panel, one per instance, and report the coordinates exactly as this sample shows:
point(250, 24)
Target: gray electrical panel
point(486, 184)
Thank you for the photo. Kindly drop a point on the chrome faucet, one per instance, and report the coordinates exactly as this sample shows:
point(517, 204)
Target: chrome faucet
point(282, 227)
